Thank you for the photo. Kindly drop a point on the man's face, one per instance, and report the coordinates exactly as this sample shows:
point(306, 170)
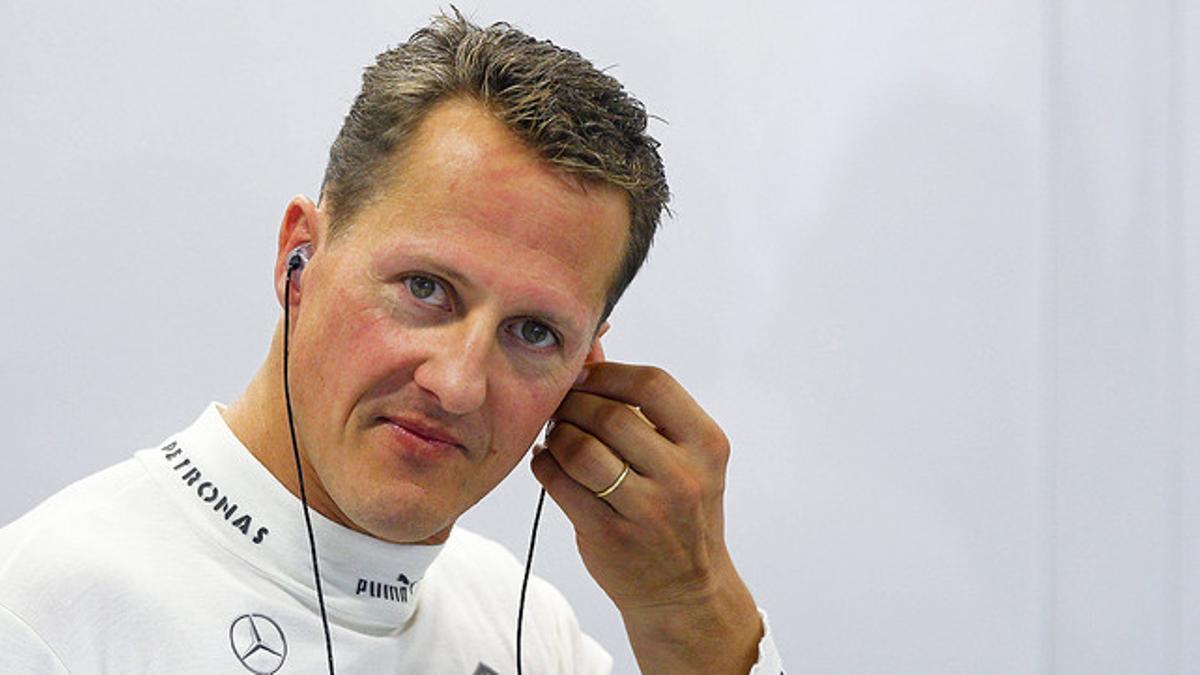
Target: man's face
point(434, 338)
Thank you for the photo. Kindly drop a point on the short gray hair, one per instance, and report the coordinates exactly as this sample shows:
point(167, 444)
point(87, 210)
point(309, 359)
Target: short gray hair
point(575, 116)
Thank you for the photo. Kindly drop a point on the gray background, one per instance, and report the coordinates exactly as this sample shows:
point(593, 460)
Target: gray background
point(934, 267)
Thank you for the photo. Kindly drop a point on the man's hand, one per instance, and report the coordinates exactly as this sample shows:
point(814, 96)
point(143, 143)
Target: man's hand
point(656, 543)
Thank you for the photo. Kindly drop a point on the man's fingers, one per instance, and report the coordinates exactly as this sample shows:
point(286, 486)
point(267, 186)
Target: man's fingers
point(593, 465)
point(665, 402)
point(618, 426)
point(585, 510)
point(583, 456)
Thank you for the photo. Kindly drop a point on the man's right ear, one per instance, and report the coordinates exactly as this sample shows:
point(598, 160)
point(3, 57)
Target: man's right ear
point(298, 234)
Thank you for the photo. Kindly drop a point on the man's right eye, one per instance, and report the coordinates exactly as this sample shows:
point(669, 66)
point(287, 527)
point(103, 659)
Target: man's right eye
point(429, 291)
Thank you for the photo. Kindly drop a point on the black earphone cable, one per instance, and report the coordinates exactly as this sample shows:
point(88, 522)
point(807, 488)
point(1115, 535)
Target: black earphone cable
point(293, 265)
point(537, 516)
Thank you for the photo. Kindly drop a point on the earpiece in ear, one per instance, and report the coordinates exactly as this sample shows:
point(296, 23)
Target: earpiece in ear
point(298, 258)
point(296, 261)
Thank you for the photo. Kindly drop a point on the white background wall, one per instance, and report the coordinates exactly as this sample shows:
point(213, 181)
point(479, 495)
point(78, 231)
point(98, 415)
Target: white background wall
point(934, 266)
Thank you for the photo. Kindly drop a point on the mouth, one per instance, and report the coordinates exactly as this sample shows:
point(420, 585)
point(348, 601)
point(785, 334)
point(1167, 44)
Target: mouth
point(424, 435)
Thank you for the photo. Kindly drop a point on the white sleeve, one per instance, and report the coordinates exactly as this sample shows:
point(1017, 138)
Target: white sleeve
point(22, 650)
point(769, 661)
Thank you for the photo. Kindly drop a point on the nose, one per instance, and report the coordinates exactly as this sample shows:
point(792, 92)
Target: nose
point(455, 372)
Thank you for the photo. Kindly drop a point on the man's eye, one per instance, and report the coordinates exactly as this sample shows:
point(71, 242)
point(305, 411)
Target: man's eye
point(427, 290)
point(534, 333)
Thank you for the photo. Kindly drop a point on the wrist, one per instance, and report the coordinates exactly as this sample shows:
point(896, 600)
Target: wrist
point(716, 631)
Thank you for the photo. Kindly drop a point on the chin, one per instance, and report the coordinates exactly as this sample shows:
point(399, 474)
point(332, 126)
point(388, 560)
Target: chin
point(399, 522)
point(413, 535)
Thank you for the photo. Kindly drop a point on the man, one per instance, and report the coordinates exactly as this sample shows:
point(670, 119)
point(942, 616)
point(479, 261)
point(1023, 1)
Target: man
point(486, 203)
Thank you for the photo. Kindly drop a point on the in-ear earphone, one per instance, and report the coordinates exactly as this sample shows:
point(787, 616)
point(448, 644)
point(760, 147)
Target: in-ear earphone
point(299, 257)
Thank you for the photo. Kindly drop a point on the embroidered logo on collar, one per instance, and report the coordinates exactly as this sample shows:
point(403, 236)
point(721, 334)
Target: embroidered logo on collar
point(397, 592)
point(258, 643)
point(208, 492)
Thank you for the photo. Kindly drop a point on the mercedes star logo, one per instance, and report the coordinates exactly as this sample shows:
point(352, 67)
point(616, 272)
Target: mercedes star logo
point(258, 643)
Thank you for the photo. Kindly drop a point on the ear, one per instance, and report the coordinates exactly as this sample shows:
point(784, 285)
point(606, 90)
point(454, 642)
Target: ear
point(596, 353)
point(301, 225)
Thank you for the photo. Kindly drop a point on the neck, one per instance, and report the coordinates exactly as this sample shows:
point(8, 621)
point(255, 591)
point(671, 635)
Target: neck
point(258, 417)
point(259, 420)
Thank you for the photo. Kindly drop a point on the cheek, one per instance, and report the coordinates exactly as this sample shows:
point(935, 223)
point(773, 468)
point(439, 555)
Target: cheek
point(346, 341)
point(528, 406)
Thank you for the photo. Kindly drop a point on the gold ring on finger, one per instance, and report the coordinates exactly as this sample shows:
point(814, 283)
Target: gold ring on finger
point(615, 484)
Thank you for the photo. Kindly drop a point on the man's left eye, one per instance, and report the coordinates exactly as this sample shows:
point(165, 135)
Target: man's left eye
point(535, 333)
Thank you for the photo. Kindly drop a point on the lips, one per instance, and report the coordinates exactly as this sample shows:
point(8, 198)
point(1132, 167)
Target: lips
point(428, 433)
